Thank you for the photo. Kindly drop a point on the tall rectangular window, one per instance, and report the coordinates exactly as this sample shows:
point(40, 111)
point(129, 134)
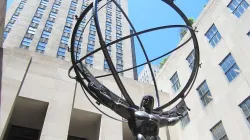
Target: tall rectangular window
point(185, 119)
point(204, 93)
point(245, 106)
point(238, 7)
point(230, 67)
point(190, 60)
point(175, 82)
point(219, 132)
point(213, 35)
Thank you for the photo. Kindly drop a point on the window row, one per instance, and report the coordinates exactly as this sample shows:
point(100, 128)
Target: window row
point(34, 24)
point(13, 19)
point(67, 31)
point(91, 44)
point(237, 7)
point(48, 27)
point(228, 66)
point(218, 130)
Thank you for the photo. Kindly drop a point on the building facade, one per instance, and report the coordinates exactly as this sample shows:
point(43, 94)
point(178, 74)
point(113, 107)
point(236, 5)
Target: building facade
point(145, 74)
point(38, 99)
point(2, 20)
point(220, 98)
point(40, 102)
point(45, 27)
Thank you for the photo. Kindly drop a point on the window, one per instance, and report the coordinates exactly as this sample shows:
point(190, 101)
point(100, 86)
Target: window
point(118, 24)
point(28, 35)
point(5, 34)
point(41, 47)
point(204, 93)
point(175, 82)
point(185, 119)
point(245, 106)
point(64, 40)
point(31, 30)
point(213, 35)
point(108, 32)
point(53, 15)
point(25, 43)
point(190, 60)
point(238, 7)
point(89, 60)
point(61, 53)
point(248, 34)
point(119, 50)
point(119, 67)
point(119, 62)
point(230, 67)
point(36, 20)
point(106, 66)
point(219, 132)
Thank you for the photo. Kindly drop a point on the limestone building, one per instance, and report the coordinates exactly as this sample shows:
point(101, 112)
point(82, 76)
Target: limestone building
point(220, 98)
point(45, 27)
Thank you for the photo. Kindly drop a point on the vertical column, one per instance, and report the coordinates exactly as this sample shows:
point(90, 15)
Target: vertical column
point(57, 119)
point(12, 78)
point(110, 129)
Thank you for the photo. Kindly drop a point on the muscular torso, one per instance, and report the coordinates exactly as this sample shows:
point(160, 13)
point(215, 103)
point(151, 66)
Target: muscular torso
point(145, 124)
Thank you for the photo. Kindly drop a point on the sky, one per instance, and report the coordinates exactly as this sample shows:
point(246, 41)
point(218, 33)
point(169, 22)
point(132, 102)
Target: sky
point(145, 14)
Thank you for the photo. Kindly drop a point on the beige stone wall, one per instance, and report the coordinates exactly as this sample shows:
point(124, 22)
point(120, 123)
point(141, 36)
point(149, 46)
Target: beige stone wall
point(44, 78)
point(226, 95)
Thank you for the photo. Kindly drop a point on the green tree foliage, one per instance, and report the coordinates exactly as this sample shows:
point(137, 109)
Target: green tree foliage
point(183, 31)
point(163, 62)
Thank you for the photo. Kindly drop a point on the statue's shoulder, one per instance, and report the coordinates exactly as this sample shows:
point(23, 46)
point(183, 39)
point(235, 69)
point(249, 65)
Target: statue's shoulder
point(141, 114)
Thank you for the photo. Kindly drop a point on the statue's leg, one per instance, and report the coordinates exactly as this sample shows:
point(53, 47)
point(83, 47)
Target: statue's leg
point(139, 137)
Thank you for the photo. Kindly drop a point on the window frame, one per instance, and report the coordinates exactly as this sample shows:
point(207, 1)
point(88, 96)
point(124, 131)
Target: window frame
point(213, 36)
point(228, 70)
point(217, 124)
point(236, 8)
point(208, 92)
point(246, 117)
point(184, 123)
point(191, 65)
point(176, 82)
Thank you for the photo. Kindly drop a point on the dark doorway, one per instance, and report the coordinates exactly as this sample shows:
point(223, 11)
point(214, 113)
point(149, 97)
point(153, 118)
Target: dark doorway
point(22, 133)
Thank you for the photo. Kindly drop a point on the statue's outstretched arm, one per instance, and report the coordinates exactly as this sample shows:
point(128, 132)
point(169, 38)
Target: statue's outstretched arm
point(164, 121)
point(105, 96)
point(172, 116)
